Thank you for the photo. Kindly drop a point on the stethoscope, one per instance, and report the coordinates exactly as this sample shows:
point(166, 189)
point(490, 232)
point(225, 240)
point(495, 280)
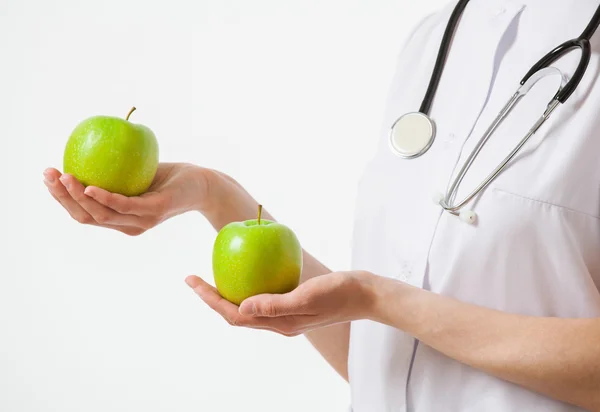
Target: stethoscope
point(413, 133)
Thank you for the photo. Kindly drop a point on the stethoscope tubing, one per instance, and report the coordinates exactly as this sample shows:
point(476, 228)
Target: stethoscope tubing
point(443, 51)
point(565, 48)
point(539, 70)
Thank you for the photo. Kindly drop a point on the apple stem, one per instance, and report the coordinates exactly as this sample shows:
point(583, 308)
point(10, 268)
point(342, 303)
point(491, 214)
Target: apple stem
point(259, 213)
point(129, 114)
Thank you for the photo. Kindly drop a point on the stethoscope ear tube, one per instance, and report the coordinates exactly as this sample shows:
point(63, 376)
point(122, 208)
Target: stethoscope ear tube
point(592, 26)
point(412, 134)
point(566, 92)
point(456, 209)
point(582, 43)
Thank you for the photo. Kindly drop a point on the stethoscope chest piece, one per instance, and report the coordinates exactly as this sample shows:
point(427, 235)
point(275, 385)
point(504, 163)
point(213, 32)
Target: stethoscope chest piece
point(412, 135)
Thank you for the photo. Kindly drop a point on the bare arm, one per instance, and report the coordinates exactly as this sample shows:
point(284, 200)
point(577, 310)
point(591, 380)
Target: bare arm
point(179, 188)
point(233, 203)
point(559, 358)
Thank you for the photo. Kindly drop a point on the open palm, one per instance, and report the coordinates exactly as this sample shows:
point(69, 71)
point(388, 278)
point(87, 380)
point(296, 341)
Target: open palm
point(177, 188)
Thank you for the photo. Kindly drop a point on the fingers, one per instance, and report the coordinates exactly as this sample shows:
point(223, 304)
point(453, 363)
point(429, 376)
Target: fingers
point(211, 297)
point(273, 305)
point(60, 193)
point(228, 310)
point(100, 213)
point(135, 205)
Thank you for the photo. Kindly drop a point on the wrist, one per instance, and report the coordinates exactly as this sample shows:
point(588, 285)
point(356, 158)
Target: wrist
point(205, 184)
point(211, 189)
point(383, 294)
point(370, 295)
point(216, 198)
point(223, 200)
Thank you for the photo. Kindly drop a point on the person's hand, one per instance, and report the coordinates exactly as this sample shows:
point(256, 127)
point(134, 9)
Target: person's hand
point(177, 188)
point(321, 301)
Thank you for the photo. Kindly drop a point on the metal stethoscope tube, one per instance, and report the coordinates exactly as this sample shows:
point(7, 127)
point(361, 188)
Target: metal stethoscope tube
point(445, 201)
point(413, 133)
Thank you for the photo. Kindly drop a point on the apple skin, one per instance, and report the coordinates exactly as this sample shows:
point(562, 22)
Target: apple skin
point(250, 259)
point(113, 154)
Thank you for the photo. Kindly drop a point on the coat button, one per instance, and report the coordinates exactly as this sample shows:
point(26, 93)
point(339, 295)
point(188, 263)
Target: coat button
point(449, 140)
point(405, 271)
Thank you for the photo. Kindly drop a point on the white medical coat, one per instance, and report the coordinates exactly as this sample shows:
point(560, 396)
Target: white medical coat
point(535, 249)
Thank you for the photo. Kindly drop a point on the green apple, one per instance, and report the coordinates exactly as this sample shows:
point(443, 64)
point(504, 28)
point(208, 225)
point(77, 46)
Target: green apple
point(254, 257)
point(113, 154)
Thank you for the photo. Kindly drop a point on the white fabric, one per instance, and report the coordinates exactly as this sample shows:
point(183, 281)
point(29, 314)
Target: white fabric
point(535, 247)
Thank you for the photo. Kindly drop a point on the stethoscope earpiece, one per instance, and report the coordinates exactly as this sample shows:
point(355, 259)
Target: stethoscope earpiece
point(413, 133)
point(468, 216)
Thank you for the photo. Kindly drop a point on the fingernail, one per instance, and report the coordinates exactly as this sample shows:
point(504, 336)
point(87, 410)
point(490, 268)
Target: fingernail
point(247, 308)
point(48, 178)
point(63, 179)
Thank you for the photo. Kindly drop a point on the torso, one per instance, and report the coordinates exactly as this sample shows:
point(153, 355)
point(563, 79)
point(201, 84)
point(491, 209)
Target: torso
point(535, 249)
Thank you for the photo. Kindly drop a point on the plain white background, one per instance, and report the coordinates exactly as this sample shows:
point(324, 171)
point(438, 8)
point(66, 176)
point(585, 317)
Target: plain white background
point(286, 96)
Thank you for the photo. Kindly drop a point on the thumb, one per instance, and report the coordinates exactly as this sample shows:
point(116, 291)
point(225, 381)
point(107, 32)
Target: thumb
point(269, 306)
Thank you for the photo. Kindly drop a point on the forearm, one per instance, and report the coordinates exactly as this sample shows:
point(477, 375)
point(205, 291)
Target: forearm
point(559, 358)
point(231, 202)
